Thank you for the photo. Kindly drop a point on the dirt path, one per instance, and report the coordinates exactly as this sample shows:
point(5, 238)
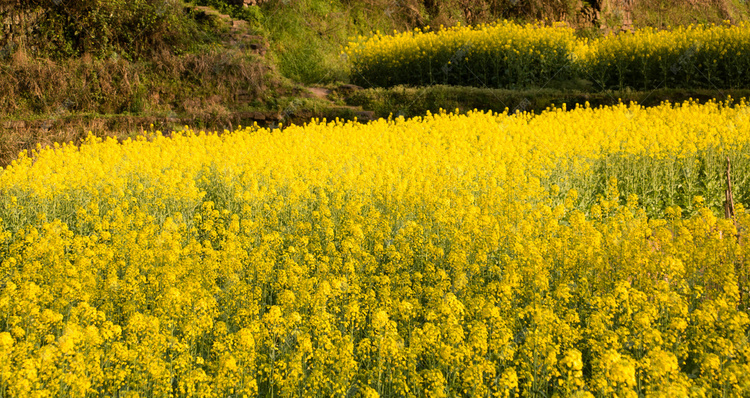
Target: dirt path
point(240, 33)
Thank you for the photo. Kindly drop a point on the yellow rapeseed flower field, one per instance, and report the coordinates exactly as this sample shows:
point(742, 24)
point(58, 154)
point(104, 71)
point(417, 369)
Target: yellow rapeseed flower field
point(572, 253)
point(503, 54)
point(506, 54)
point(688, 56)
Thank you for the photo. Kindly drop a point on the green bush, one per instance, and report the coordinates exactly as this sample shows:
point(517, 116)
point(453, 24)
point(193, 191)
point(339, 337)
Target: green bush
point(103, 28)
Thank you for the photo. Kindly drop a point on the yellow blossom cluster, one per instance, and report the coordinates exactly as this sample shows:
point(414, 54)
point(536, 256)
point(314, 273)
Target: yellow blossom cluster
point(506, 54)
point(692, 56)
point(470, 255)
point(502, 54)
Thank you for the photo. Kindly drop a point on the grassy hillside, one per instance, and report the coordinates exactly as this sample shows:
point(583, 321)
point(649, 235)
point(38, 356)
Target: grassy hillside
point(117, 67)
point(125, 57)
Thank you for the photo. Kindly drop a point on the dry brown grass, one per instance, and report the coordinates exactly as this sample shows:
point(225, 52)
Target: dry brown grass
point(665, 13)
point(659, 13)
point(167, 83)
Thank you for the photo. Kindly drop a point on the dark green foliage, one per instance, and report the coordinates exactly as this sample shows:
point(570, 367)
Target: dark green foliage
point(101, 28)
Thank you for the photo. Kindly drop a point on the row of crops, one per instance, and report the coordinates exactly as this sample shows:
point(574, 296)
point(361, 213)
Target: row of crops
point(580, 253)
point(508, 55)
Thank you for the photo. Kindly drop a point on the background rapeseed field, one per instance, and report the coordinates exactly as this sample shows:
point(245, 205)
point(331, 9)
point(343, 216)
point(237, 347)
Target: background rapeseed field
point(509, 55)
point(571, 253)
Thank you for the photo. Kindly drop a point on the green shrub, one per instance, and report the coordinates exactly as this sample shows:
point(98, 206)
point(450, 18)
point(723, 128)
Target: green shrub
point(103, 28)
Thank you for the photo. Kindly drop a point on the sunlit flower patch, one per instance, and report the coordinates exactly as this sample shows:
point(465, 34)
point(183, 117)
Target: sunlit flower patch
point(577, 253)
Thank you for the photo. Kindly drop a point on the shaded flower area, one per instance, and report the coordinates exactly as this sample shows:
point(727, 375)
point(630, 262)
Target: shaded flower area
point(509, 55)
